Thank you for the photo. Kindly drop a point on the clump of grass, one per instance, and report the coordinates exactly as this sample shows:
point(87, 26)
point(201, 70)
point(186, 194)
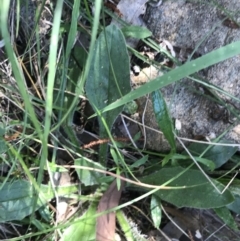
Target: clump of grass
point(41, 92)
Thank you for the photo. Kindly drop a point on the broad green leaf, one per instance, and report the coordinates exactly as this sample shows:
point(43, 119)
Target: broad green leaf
point(16, 199)
point(156, 211)
point(227, 217)
point(88, 177)
point(136, 32)
point(176, 74)
point(219, 155)
point(108, 78)
point(163, 118)
point(82, 230)
point(196, 190)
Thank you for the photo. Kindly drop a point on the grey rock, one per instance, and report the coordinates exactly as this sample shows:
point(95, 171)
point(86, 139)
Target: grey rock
point(196, 25)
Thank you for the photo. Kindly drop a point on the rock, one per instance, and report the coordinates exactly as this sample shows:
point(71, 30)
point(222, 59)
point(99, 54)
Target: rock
point(197, 26)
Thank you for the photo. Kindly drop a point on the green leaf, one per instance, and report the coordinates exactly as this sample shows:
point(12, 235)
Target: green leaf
point(194, 189)
point(125, 226)
point(108, 78)
point(163, 118)
point(140, 162)
point(156, 211)
point(53, 167)
point(129, 228)
point(183, 160)
point(88, 177)
point(2, 130)
point(16, 201)
point(227, 217)
point(45, 213)
point(235, 190)
point(235, 206)
point(118, 180)
point(208, 163)
point(219, 155)
point(136, 32)
point(48, 192)
point(83, 230)
point(3, 146)
point(131, 108)
point(114, 156)
point(176, 74)
point(167, 158)
point(73, 28)
point(80, 54)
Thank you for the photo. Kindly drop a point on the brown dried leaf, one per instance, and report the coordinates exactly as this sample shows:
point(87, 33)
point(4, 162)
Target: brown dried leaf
point(106, 223)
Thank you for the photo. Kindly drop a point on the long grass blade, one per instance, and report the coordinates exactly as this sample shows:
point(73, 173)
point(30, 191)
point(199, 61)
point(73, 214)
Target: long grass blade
point(185, 70)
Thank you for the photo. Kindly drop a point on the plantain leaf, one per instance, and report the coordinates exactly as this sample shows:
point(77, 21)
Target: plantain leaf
point(109, 78)
point(219, 155)
point(227, 217)
point(194, 189)
point(16, 199)
point(163, 118)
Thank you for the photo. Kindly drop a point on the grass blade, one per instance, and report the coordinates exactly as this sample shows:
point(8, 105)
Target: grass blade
point(187, 69)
